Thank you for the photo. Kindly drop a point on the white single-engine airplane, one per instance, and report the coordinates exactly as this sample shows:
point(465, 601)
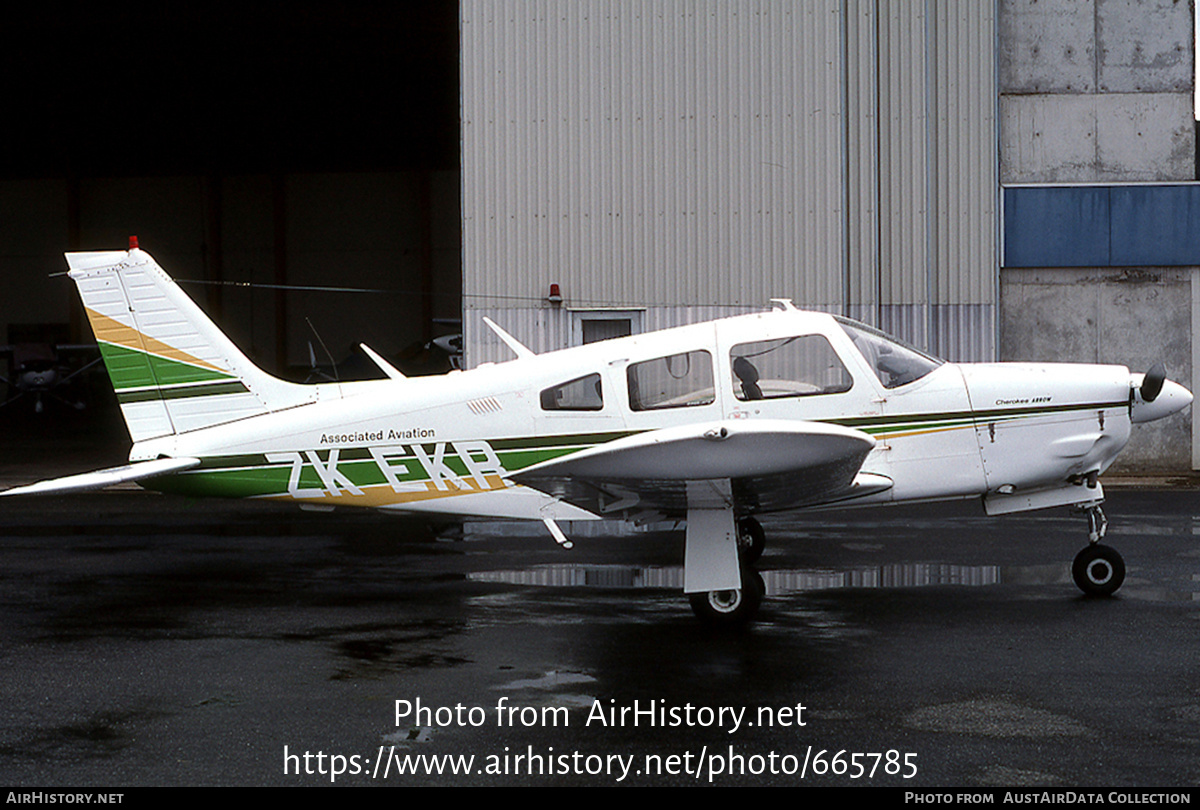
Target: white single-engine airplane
point(714, 423)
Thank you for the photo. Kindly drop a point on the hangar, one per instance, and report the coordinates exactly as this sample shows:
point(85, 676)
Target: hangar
point(999, 180)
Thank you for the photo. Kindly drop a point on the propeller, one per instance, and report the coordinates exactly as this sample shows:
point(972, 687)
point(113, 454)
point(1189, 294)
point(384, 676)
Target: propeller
point(1152, 383)
point(1156, 396)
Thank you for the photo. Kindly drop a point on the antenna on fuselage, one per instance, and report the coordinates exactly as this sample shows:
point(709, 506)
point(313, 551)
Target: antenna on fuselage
point(312, 355)
point(384, 366)
point(517, 346)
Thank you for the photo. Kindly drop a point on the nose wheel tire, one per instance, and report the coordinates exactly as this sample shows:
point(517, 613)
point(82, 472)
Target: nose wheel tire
point(732, 607)
point(1098, 570)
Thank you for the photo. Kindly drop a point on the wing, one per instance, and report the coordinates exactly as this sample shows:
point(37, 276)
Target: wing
point(772, 465)
point(137, 471)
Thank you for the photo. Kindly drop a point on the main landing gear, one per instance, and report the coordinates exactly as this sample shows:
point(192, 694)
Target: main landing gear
point(740, 605)
point(751, 540)
point(1098, 570)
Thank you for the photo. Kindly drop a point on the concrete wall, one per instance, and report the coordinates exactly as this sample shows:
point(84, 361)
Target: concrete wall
point(1130, 317)
point(1096, 91)
point(1093, 92)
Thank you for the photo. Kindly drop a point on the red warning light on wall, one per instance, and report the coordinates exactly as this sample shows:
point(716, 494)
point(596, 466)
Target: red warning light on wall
point(555, 296)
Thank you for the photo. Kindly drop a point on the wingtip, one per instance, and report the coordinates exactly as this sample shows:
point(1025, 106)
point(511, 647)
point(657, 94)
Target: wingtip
point(134, 471)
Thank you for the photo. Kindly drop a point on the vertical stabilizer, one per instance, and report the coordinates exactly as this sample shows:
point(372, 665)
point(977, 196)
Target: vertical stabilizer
point(172, 368)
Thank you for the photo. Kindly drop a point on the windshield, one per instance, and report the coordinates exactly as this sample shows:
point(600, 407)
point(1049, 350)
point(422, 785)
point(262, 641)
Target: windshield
point(894, 363)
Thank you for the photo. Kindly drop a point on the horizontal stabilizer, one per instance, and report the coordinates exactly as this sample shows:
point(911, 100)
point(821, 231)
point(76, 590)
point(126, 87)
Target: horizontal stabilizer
point(137, 471)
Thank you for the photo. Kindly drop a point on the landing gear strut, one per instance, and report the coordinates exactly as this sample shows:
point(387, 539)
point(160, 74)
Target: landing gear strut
point(721, 585)
point(1098, 570)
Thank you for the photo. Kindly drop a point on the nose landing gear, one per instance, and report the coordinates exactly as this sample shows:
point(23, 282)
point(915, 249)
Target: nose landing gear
point(1098, 569)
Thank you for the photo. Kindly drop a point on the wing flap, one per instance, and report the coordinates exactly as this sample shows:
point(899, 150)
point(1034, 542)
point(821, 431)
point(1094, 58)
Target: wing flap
point(772, 464)
point(138, 471)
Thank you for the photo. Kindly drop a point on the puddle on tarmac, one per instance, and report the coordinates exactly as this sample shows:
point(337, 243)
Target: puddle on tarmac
point(781, 582)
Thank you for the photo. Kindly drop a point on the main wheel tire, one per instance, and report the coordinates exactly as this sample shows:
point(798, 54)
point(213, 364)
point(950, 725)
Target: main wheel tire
point(751, 540)
point(1098, 570)
point(732, 607)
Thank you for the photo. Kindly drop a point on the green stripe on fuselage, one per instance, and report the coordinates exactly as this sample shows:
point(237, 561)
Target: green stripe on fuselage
point(249, 475)
point(245, 482)
point(909, 423)
point(252, 475)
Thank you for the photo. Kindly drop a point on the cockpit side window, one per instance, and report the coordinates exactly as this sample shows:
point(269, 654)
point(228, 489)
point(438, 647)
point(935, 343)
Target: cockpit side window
point(895, 363)
point(680, 381)
point(581, 394)
point(799, 366)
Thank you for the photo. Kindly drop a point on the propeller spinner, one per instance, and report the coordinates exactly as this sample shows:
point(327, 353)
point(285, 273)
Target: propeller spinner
point(1154, 396)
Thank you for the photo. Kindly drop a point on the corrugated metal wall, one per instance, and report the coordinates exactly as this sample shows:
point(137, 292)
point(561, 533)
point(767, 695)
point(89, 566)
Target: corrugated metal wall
point(681, 156)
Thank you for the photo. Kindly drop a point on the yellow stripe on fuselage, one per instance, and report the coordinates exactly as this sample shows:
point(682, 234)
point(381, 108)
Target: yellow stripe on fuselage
point(904, 434)
point(384, 495)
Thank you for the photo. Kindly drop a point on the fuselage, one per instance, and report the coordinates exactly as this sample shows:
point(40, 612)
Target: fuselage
point(447, 443)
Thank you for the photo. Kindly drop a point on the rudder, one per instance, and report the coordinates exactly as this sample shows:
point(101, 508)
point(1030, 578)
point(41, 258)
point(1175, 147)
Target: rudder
point(172, 368)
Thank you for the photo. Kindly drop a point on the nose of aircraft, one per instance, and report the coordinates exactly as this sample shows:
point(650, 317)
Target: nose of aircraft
point(1172, 398)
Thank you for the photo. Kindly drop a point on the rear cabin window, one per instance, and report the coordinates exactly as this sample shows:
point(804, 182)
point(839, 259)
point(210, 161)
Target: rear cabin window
point(582, 394)
point(788, 367)
point(679, 381)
